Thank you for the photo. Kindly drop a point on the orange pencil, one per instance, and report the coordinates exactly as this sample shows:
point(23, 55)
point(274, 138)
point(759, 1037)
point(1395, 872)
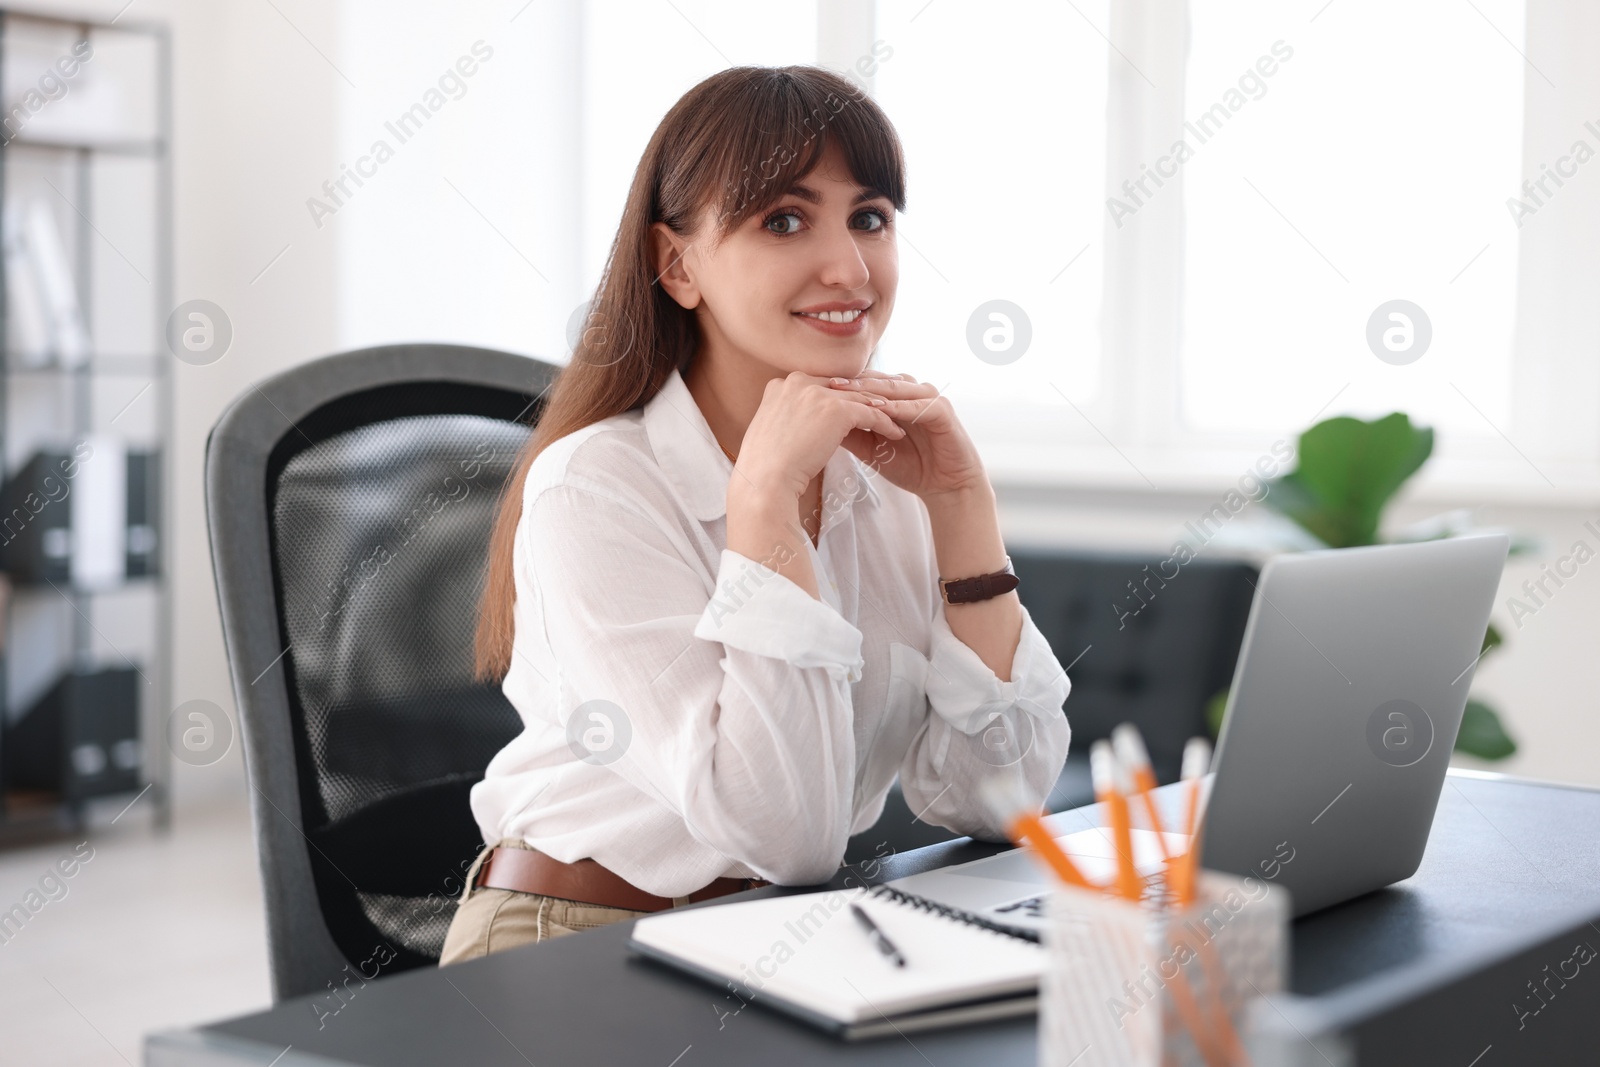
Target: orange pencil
point(1221, 1022)
point(1027, 829)
point(1196, 762)
point(1189, 1012)
point(1131, 753)
point(1111, 789)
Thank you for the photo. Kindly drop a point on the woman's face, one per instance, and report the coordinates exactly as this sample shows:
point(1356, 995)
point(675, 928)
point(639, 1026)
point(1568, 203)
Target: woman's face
point(826, 245)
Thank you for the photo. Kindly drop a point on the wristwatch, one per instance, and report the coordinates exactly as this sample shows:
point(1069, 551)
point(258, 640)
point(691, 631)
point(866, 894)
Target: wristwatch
point(983, 587)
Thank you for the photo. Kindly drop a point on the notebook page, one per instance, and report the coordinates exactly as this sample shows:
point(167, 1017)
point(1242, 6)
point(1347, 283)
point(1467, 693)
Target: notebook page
point(809, 949)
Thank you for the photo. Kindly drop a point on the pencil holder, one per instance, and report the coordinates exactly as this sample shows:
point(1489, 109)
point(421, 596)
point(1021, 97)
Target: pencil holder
point(1147, 985)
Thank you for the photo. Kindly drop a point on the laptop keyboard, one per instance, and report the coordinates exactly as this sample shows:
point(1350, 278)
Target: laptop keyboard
point(1032, 908)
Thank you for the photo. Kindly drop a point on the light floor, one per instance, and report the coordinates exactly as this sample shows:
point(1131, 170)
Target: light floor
point(155, 931)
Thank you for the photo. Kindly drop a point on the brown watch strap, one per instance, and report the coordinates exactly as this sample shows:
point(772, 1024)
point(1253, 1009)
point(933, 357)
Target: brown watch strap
point(982, 587)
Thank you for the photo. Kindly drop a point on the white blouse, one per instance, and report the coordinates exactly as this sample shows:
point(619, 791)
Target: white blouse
point(728, 723)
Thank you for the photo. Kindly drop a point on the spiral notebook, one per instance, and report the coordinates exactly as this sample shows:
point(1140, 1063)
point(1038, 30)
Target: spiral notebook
point(807, 956)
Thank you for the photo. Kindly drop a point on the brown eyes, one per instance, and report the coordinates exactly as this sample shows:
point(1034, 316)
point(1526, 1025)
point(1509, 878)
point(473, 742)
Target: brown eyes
point(788, 229)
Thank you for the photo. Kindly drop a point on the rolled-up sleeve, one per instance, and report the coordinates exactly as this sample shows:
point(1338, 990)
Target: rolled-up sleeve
point(736, 698)
point(759, 611)
point(980, 728)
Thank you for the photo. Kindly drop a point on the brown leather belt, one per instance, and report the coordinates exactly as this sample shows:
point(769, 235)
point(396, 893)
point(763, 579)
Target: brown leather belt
point(586, 881)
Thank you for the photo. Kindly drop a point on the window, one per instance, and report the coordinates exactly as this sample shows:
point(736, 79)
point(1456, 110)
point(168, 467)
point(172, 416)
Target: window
point(1363, 169)
point(1181, 313)
point(638, 60)
point(1003, 119)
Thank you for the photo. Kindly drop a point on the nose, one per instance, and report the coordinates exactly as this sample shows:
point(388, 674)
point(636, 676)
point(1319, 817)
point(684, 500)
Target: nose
point(842, 265)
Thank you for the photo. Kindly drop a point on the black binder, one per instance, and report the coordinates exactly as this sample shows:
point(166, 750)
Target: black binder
point(36, 517)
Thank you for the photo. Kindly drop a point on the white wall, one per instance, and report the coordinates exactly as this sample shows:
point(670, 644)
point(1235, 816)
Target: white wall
point(468, 233)
point(255, 114)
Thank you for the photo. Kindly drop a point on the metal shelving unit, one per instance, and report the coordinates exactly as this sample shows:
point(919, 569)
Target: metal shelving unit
point(34, 815)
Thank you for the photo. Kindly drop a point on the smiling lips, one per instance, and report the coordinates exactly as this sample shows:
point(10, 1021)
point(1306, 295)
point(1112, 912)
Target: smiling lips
point(835, 316)
point(836, 322)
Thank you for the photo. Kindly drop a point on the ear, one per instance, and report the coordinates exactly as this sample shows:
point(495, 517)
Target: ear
point(667, 252)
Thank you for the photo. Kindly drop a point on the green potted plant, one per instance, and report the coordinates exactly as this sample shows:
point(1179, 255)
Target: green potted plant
point(1347, 472)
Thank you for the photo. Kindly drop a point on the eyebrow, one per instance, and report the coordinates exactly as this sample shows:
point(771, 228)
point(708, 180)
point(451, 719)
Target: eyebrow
point(811, 196)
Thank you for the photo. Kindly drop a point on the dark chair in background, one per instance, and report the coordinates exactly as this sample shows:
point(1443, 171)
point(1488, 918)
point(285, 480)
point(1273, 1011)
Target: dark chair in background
point(349, 502)
point(1153, 660)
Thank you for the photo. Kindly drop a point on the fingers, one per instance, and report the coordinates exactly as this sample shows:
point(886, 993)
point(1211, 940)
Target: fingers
point(886, 426)
point(897, 386)
point(886, 395)
point(907, 400)
point(913, 408)
point(867, 372)
point(861, 398)
point(867, 410)
point(876, 420)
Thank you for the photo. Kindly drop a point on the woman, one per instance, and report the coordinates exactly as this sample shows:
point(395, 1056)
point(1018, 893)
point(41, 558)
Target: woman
point(716, 600)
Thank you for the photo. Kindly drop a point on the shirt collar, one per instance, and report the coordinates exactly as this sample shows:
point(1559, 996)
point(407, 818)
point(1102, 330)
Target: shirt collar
point(697, 468)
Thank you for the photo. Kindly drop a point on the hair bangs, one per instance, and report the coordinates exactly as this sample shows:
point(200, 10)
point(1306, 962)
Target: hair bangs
point(791, 118)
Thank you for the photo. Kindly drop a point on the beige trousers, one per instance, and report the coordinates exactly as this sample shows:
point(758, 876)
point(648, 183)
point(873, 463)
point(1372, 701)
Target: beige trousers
point(492, 920)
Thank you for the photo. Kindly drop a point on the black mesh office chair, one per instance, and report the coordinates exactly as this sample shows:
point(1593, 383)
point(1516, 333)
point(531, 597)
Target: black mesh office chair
point(349, 502)
point(1153, 661)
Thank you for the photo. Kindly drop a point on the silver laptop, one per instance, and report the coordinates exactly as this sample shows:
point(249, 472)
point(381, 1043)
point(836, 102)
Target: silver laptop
point(1346, 700)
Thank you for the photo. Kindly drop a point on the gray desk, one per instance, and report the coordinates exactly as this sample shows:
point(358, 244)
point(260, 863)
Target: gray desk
point(1425, 972)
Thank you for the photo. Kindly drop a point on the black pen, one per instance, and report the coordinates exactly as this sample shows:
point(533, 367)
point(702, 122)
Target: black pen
point(885, 946)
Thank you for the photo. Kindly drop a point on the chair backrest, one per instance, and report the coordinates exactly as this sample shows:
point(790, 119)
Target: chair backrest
point(350, 501)
point(1145, 639)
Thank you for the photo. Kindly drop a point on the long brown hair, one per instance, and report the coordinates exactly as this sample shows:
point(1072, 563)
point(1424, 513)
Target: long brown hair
point(738, 141)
